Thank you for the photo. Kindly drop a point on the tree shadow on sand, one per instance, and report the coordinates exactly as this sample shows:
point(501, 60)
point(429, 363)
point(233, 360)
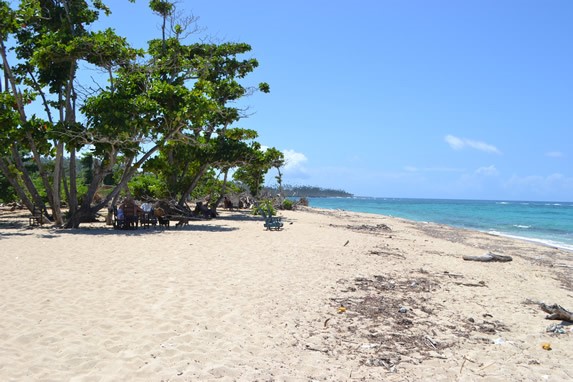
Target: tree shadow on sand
point(51, 233)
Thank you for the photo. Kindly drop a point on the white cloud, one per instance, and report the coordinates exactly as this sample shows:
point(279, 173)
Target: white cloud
point(554, 154)
point(294, 160)
point(294, 170)
point(454, 142)
point(457, 143)
point(487, 171)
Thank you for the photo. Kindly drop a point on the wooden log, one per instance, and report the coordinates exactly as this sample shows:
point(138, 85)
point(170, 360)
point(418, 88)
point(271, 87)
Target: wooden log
point(556, 312)
point(488, 257)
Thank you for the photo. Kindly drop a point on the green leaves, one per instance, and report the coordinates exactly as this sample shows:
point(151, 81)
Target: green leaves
point(174, 97)
point(8, 21)
point(161, 7)
point(105, 49)
point(98, 4)
point(264, 87)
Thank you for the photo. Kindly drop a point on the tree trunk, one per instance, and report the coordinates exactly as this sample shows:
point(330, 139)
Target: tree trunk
point(73, 194)
point(12, 179)
point(82, 214)
point(56, 186)
point(223, 191)
point(191, 187)
point(36, 198)
point(86, 211)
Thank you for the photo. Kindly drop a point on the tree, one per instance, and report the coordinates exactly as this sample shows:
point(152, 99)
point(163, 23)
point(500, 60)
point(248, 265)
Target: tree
point(171, 99)
point(213, 71)
point(253, 173)
point(51, 39)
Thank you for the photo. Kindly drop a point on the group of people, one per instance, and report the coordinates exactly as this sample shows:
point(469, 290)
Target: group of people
point(129, 208)
point(243, 203)
point(202, 209)
point(128, 213)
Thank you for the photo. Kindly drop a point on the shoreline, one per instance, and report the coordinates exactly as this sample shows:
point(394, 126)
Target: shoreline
point(547, 243)
point(566, 245)
point(224, 299)
point(540, 242)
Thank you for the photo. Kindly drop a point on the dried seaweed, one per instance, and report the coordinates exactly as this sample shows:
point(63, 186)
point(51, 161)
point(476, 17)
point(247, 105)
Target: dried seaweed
point(388, 319)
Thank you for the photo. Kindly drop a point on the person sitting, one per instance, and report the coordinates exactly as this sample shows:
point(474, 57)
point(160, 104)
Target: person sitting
point(162, 218)
point(227, 204)
point(116, 216)
point(120, 215)
point(131, 211)
point(202, 209)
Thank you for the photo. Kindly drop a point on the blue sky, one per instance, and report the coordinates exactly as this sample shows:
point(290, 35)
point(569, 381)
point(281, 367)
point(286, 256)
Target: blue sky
point(464, 99)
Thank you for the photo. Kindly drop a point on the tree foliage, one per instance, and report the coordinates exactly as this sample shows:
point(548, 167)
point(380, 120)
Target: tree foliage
point(166, 109)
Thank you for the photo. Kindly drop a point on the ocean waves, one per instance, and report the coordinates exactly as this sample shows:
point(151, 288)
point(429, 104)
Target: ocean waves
point(546, 222)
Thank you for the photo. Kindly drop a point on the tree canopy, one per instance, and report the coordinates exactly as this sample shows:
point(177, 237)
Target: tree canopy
point(166, 110)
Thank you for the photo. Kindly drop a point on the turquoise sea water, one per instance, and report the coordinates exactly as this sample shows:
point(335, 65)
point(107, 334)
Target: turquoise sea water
point(546, 222)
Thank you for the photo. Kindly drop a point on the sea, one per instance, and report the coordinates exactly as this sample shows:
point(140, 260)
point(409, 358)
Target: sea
point(549, 223)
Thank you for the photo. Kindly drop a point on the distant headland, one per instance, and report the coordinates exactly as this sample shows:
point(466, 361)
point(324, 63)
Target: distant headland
point(311, 192)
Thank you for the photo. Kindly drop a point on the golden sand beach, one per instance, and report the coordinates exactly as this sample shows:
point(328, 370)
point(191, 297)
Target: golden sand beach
point(334, 296)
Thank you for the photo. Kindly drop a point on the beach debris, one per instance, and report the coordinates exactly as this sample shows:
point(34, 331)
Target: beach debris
point(478, 284)
point(314, 348)
point(463, 363)
point(345, 244)
point(391, 319)
point(341, 309)
point(556, 328)
point(489, 257)
point(556, 312)
point(546, 346)
point(366, 227)
point(380, 252)
point(431, 342)
point(384, 362)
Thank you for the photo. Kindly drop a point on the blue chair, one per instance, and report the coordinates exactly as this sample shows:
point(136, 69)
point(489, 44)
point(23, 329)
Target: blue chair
point(271, 222)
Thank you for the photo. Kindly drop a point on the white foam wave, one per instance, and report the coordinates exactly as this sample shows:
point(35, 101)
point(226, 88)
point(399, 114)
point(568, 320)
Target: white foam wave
point(546, 242)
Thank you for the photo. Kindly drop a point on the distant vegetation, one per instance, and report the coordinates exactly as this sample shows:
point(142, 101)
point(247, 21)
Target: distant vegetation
point(311, 192)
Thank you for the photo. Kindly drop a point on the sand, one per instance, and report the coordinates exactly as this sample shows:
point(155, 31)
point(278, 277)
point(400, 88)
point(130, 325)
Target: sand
point(334, 296)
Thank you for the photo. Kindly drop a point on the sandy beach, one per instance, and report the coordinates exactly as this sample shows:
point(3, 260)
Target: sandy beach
point(334, 296)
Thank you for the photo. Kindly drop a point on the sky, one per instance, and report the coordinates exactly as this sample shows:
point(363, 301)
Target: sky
point(444, 99)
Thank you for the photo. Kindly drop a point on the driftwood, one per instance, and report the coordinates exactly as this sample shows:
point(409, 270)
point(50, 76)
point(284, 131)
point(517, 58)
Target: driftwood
point(556, 312)
point(489, 257)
